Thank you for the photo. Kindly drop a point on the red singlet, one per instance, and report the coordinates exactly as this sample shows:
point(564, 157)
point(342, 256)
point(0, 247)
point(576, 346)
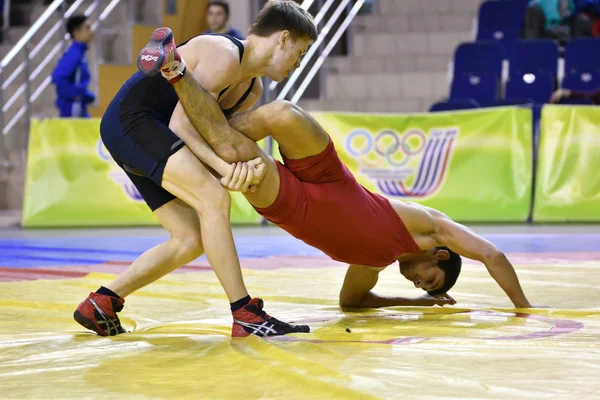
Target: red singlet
point(321, 203)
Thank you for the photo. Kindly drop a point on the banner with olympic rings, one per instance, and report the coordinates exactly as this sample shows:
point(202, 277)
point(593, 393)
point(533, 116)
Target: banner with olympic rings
point(471, 165)
point(567, 180)
point(73, 181)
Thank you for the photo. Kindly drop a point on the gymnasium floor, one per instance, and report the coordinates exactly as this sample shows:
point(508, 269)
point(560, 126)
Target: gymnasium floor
point(180, 345)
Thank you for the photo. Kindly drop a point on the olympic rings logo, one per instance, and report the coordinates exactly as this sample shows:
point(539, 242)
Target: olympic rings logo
point(388, 146)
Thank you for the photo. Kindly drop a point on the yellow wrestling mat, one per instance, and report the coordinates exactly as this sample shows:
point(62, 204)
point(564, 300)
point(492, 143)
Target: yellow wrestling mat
point(180, 345)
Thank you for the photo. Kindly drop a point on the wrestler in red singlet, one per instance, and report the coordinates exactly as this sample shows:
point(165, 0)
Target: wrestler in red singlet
point(321, 203)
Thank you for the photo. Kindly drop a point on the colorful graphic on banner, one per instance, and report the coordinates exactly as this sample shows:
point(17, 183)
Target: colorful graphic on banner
point(568, 183)
point(71, 180)
point(471, 165)
point(411, 164)
point(117, 174)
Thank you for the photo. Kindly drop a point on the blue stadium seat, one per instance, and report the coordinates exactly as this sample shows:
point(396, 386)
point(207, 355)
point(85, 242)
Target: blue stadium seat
point(538, 87)
point(450, 105)
point(501, 21)
point(584, 82)
point(483, 88)
point(533, 57)
point(582, 65)
point(479, 58)
point(477, 72)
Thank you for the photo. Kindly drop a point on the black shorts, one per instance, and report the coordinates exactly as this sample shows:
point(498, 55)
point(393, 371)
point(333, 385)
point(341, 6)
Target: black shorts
point(140, 142)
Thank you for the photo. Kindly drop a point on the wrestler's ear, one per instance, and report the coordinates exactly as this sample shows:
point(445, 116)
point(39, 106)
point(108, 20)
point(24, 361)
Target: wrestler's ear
point(284, 38)
point(442, 255)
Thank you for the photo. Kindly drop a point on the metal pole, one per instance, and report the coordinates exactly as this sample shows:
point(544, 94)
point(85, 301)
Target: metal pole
point(27, 92)
point(2, 149)
point(308, 57)
point(63, 9)
point(132, 21)
point(6, 21)
point(132, 16)
point(328, 48)
point(322, 80)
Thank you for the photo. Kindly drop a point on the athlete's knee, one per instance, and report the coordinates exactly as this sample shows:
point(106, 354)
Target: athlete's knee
point(189, 244)
point(282, 113)
point(211, 199)
point(282, 110)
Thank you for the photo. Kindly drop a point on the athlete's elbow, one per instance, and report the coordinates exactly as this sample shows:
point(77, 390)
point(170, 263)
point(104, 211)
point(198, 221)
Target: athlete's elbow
point(234, 152)
point(494, 256)
point(228, 152)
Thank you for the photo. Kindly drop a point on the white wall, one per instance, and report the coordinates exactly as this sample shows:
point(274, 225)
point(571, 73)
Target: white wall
point(240, 14)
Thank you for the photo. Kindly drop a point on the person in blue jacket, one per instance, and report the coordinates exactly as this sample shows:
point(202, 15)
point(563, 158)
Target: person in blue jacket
point(72, 75)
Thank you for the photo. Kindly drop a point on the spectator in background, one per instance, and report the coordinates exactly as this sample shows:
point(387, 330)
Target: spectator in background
point(72, 75)
point(560, 94)
point(217, 17)
point(591, 9)
point(555, 19)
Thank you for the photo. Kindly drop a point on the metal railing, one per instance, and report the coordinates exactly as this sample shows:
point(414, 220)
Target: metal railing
point(55, 39)
point(268, 94)
point(26, 47)
point(322, 40)
point(6, 17)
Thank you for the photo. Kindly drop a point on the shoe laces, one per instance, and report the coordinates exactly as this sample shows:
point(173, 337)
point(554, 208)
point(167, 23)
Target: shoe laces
point(279, 325)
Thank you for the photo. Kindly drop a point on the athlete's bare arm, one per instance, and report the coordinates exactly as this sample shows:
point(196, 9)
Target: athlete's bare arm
point(213, 72)
point(356, 291)
point(217, 68)
point(465, 242)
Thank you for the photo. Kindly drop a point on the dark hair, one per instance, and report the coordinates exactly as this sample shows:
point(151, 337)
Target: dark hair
point(219, 3)
point(281, 15)
point(75, 22)
point(451, 268)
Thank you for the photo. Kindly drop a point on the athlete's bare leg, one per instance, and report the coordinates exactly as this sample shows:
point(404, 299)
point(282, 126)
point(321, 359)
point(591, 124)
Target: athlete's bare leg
point(184, 246)
point(204, 205)
point(297, 133)
point(189, 180)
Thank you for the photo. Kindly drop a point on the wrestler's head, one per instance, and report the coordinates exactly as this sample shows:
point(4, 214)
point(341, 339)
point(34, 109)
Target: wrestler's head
point(435, 270)
point(289, 31)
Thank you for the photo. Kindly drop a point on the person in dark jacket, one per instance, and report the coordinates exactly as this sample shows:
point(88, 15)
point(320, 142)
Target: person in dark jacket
point(593, 96)
point(72, 75)
point(555, 19)
point(217, 18)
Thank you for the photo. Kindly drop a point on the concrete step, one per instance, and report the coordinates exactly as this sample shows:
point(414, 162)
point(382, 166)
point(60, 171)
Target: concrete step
point(426, 7)
point(330, 105)
point(372, 106)
point(388, 64)
point(417, 85)
point(413, 23)
point(410, 44)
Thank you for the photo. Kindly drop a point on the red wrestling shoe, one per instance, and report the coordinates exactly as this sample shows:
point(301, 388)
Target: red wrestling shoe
point(252, 320)
point(161, 55)
point(99, 313)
